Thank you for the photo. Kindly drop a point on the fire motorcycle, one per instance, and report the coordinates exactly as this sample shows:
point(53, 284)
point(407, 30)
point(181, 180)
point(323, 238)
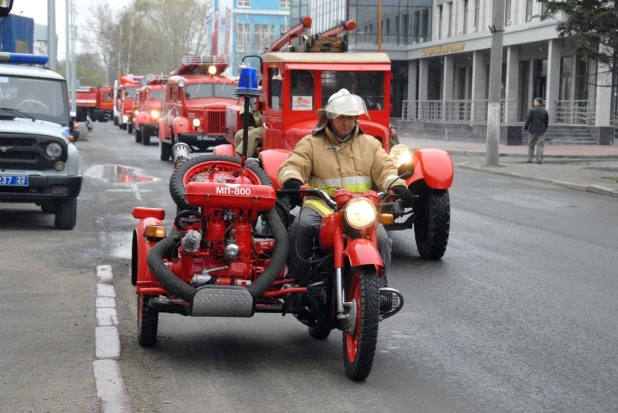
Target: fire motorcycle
point(218, 261)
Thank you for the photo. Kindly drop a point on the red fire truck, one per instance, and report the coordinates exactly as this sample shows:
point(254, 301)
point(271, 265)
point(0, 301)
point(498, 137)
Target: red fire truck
point(148, 108)
point(85, 102)
point(194, 105)
point(125, 93)
point(105, 104)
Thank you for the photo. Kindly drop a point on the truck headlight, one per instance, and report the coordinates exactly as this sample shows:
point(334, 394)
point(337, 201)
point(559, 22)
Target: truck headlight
point(154, 114)
point(53, 150)
point(360, 213)
point(196, 122)
point(400, 154)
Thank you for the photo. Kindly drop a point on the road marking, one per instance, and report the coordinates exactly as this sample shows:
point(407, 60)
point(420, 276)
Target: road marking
point(107, 374)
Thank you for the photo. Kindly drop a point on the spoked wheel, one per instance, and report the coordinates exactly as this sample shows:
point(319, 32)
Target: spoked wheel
point(431, 228)
point(207, 167)
point(147, 322)
point(360, 334)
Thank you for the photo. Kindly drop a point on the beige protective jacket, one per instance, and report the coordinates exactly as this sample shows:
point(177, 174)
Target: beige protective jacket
point(324, 163)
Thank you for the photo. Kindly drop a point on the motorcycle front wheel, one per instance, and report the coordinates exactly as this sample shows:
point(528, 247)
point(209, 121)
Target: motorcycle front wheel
point(360, 334)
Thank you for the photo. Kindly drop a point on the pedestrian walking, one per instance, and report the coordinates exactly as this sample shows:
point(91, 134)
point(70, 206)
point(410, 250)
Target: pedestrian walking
point(536, 125)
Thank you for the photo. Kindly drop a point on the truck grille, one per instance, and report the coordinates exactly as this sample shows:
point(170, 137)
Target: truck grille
point(216, 122)
point(27, 151)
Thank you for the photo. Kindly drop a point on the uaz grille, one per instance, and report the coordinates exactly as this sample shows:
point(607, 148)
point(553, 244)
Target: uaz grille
point(27, 152)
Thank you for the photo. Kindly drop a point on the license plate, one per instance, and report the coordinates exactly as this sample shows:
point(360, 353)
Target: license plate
point(13, 180)
point(207, 138)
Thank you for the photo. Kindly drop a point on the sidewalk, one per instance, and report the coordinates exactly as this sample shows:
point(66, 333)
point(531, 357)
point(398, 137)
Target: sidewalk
point(591, 168)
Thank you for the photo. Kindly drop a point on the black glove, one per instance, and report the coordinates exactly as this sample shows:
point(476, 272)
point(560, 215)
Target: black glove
point(294, 197)
point(404, 193)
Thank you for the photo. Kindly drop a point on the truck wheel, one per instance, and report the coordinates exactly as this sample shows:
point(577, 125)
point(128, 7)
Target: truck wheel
point(66, 213)
point(432, 226)
point(147, 322)
point(138, 136)
point(145, 139)
point(166, 151)
point(123, 126)
point(115, 120)
point(203, 165)
point(130, 128)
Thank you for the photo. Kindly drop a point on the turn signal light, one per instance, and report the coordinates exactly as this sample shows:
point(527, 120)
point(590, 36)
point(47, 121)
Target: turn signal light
point(155, 232)
point(386, 219)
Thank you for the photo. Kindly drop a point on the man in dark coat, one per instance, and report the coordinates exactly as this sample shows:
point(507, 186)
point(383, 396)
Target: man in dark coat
point(536, 125)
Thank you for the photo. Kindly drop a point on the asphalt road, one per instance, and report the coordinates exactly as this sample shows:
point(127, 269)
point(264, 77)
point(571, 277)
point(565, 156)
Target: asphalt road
point(519, 316)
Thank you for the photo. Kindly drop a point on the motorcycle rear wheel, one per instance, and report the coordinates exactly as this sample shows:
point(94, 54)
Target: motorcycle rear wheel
point(147, 322)
point(359, 347)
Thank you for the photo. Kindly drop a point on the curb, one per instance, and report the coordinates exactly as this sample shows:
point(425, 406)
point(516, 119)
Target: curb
point(108, 377)
point(596, 189)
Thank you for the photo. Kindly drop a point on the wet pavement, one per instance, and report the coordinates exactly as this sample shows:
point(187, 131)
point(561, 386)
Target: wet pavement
point(590, 168)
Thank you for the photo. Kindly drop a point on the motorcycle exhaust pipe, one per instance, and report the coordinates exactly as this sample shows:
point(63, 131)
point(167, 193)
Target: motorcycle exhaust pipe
point(180, 154)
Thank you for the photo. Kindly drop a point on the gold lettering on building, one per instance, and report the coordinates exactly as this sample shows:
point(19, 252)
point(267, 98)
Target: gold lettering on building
point(447, 48)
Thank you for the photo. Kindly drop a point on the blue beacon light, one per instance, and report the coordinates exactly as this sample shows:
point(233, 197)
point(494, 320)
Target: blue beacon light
point(247, 82)
point(23, 58)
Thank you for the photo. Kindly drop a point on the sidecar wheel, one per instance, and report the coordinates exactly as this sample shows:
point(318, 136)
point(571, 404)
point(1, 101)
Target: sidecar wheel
point(360, 334)
point(147, 322)
point(433, 224)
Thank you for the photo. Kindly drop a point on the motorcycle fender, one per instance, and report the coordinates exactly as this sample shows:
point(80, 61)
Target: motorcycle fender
point(362, 251)
point(271, 160)
point(141, 248)
point(226, 150)
point(434, 166)
point(182, 125)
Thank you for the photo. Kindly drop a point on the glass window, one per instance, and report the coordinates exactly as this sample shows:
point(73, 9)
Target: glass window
point(243, 42)
point(450, 20)
point(129, 92)
point(507, 13)
point(465, 19)
point(477, 13)
point(244, 3)
point(528, 10)
point(210, 90)
point(156, 94)
point(264, 36)
point(440, 22)
point(284, 4)
point(274, 87)
point(41, 98)
point(368, 85)
point(302, 90)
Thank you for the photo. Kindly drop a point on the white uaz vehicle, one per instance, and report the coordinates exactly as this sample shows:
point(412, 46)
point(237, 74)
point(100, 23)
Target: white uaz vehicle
point(38, 162)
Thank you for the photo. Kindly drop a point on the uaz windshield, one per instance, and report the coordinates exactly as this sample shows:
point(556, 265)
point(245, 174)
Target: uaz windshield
point(44, 99)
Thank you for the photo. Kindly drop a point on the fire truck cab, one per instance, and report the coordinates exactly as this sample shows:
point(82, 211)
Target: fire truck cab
point(194, 105)
point(127, 85)
point(148, 101)
point(105, 104)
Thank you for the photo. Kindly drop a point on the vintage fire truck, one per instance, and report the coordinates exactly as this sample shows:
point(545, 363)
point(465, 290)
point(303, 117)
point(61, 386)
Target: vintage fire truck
point(105, 104)
point(194, 105)
point(300, 73)
point(125, 88)
point(85, 102)
point(148, 101)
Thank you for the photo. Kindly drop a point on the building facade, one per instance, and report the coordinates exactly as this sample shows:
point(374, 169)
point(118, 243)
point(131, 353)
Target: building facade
point(246, 27)
point(440, 54)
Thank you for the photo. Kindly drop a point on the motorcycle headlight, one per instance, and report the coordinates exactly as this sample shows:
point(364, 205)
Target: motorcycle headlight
point(53, 150)
point(196, 122)
point(400, 154)
point(154, 114)
point(360, 213)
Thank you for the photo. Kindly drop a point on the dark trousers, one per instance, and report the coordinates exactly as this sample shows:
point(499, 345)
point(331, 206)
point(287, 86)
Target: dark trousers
point(305, 229)
point(538, 140)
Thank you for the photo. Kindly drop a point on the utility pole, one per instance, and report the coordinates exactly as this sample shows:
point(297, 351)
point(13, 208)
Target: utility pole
point(51, 35)
point(495, 78)
point(379, 26)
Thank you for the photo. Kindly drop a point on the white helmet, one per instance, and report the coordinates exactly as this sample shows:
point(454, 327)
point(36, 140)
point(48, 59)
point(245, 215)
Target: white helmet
point(343, 103)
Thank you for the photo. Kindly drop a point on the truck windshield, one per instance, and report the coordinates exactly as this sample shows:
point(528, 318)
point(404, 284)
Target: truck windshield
point(129, 92)
point(210, 90)
point(156, 94)
point(368, 85)
point(45, 99)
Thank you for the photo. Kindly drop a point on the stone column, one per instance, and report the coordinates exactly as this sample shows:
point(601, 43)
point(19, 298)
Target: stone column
point(512, 84)
point(447, 84)
point(554, 54)
point(423, 86)
point(412, 102)
point(604, 96)
point(478, 86)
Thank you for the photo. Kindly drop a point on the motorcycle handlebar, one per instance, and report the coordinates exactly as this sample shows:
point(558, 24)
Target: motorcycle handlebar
point(318, 193)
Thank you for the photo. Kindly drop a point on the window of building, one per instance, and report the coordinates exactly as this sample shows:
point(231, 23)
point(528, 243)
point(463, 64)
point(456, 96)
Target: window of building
point(417, 25)
point(244, 3)
point(264, 35)
point(465, 19)
point(283, 28)
point(566, 78)
point(397, 30)
point(477, 14)
point(529, 10)
point(284, 4)
point(243, 41)
point(543, 6)
point(507, 13)
point(406, 30)
point(450, 20)
point(440, 15)
point(425, 27)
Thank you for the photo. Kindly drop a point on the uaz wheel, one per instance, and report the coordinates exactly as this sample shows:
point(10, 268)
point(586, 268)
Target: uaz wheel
point(360, 334)
point(65, 213)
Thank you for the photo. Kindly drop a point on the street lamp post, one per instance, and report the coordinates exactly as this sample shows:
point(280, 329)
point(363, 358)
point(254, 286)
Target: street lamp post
point(495, 77)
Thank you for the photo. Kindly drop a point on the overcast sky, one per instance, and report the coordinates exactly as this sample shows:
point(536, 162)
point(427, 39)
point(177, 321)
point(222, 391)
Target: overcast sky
point(37, 9)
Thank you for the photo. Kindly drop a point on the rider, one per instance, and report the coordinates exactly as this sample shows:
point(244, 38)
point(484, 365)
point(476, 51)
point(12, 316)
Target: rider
point(338, 154)
point(254, 135)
